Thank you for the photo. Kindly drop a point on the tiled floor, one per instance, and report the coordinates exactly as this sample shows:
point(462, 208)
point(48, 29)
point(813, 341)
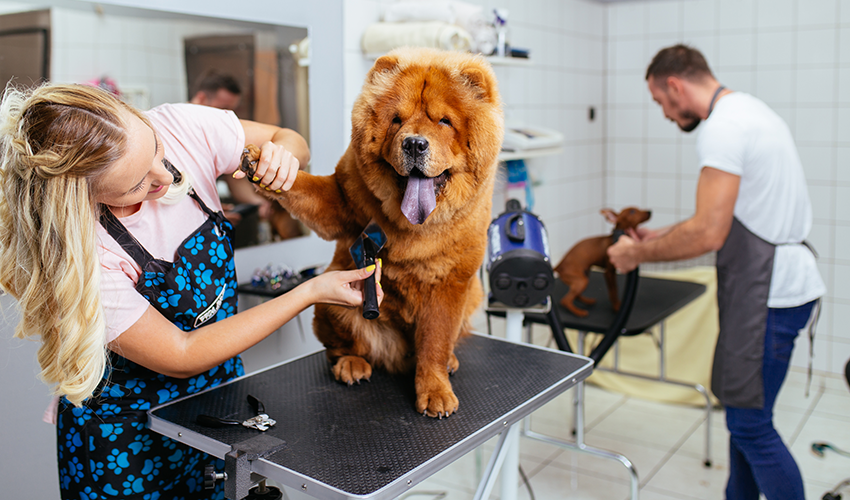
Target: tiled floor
point(666, 444)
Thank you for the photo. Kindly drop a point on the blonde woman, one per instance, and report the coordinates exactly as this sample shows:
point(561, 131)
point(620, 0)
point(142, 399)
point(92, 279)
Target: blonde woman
point(113, 242)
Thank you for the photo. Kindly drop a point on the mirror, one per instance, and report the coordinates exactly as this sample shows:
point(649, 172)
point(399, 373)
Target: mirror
point(152, 57)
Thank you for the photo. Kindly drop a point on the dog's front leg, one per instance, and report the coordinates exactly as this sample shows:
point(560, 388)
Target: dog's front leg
point(317, 201)
point(437, 331)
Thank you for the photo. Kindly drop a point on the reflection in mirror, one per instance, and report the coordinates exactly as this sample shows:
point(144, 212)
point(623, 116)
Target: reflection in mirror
point(151, 57)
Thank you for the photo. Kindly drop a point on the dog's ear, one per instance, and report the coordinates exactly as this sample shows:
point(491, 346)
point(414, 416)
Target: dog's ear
point(384, 64)
point(481, 81)
point(610, 215)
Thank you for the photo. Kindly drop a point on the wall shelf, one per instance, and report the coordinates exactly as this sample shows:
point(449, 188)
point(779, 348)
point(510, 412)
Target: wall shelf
point(494, 60)
point(529, 153)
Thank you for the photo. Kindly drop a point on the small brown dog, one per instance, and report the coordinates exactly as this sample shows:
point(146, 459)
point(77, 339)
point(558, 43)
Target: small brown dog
point(574, 268)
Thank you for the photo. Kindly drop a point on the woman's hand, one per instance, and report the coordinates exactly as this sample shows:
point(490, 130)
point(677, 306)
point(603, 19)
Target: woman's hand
point(276, 169)
point(344, 288)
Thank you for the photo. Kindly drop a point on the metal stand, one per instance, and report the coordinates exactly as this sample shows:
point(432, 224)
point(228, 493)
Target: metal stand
point(506, 455)
point(579, 444)
point(662, 377)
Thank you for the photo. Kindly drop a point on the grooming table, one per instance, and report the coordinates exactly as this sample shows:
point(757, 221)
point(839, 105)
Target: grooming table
point(655, 301)
point(367, 441)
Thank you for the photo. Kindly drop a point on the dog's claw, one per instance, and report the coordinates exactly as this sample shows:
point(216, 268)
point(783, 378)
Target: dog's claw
point(350, 383)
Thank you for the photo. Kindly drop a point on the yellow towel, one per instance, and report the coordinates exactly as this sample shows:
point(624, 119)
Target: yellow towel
point(690, 336)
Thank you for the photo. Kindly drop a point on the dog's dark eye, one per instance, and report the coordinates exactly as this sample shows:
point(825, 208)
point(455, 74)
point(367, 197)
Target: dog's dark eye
point(397, 120)
point(446, 121)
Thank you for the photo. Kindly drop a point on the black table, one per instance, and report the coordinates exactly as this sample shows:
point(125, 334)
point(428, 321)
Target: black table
point(656, 299)
point(367, 441)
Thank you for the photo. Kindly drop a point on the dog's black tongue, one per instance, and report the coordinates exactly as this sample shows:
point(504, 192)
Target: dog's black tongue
point(419, 198)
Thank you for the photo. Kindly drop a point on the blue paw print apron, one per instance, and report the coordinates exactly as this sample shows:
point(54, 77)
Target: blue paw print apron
point(105, 449)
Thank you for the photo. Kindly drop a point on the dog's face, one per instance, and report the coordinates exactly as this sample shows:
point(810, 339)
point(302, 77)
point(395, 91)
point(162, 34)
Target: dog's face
point(428, 127)
point(628, 218)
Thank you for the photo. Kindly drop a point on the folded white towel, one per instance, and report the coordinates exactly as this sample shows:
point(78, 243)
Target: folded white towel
point(383, 37)
point(419, 11)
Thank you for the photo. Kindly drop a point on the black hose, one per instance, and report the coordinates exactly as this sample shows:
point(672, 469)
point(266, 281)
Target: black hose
point(557, 329)
point(618, 326)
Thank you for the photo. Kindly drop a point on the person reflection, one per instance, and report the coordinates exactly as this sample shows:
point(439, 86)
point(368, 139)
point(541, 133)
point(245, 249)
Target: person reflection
point(223, 91)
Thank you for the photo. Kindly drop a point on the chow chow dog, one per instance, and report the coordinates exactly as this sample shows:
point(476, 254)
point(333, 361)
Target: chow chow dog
point(426, 132)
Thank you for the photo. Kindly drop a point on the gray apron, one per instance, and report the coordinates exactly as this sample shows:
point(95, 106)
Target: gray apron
point(744, 269)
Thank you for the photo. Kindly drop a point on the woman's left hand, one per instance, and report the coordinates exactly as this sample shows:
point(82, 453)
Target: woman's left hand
point(276, 170)
point(344, 288)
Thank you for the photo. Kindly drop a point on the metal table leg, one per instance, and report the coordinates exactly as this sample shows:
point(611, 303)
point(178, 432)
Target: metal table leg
point(579, 444)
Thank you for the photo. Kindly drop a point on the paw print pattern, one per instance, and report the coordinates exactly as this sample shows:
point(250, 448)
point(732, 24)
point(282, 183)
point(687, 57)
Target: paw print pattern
point(151, 468)
point(218, 254)
point(169, 392)
point(135, 386)
point(195, 244)
point(175, 459)
point(81, 415)
point(203, 276)
point(117, 461)
point(75, 469)
point(154, 279)
point(141, 443)
point(109, 410)
point(88, 494)
point(140, 404)
point(73, 440)
point(168, 298)
point(111, 431)
point(196, 384)
point(114, 391)
point(133, 485)
point(96, 469)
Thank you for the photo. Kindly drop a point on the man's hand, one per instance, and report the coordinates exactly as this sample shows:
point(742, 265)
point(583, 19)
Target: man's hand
point(624, 254)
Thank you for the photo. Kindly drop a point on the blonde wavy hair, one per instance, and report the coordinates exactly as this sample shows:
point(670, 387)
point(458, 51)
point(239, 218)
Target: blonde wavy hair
point(56, 142)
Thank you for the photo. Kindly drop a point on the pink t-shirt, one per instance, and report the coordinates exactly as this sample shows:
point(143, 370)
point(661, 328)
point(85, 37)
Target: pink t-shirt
point(202, 141)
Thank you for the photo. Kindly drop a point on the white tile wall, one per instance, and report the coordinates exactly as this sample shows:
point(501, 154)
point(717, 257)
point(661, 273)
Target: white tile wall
point(137, 52)
point(793, 54)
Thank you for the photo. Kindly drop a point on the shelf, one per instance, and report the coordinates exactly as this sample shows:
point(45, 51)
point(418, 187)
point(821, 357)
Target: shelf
point(529, 153)
point(494, 60)
point(508, 61)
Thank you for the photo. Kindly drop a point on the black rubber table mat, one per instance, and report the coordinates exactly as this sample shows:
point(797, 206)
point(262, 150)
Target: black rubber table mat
point(360, 439)
point(656, 299)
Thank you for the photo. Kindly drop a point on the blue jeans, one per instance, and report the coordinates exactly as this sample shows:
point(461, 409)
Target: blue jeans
point(758, 459)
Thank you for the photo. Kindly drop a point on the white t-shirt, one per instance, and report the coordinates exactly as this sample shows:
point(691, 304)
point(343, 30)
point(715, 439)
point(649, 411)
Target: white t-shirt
point(743, 136)
point(205, 142)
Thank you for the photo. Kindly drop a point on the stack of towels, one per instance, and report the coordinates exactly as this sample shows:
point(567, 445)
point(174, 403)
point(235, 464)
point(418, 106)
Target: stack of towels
point(440, 24)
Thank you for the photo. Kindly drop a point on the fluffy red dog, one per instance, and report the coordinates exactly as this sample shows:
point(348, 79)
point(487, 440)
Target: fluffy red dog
point(426, 132)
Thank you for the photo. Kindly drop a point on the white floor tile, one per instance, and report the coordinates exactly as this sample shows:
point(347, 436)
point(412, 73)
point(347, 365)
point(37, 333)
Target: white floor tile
point(833, 405)
point(656, 425)
point(553, 482)
point(695, 444)
point(686, 476)
point(831, 468)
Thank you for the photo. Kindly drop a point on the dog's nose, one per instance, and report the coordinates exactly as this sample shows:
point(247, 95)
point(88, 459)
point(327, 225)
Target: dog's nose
point(415, 146)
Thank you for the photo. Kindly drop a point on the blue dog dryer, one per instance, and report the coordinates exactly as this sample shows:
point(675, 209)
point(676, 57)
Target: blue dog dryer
point(518, 258)
point(519, 267)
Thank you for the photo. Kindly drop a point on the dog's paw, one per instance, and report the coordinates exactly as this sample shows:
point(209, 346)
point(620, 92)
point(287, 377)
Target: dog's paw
point(248, 162)
point(352, 369)
point(453, 365)
point(437, 403)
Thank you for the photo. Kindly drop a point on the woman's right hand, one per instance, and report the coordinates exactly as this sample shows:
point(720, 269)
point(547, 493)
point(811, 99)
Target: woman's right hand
point(344, 288)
